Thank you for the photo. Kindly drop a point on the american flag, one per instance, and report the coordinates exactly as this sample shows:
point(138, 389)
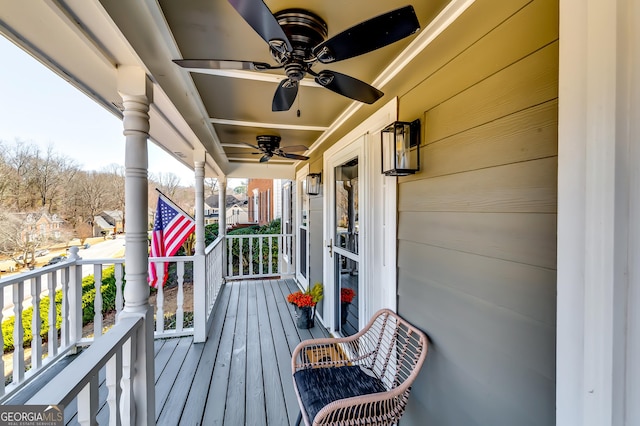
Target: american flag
point(171, 228)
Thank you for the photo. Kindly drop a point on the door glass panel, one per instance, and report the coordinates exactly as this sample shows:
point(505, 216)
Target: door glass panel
point(302, 258)
point(346, 219)
point(347, 289)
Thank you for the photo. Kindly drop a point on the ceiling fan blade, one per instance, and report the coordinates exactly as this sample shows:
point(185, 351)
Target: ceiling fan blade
point(252, 146)
point(265, 158)
point(369, 35)
point(223, 64)
point(285, 95)
point(294, 148)
point(293, 156)
point(260, 18)
point(348, 86)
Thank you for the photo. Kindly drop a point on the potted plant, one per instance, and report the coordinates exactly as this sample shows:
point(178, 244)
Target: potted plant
point(305, 305)
point(346, 297)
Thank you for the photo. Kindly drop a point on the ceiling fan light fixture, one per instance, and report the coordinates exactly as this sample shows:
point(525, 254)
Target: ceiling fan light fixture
point(324, 78)
point(325, 55)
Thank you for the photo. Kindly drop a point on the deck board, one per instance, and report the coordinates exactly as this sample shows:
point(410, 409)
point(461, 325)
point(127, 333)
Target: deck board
point(255, 400)
point(241, 375)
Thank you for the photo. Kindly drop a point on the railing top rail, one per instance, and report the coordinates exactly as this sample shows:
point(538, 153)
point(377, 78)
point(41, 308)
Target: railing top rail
point(23, 276)
point(257, 235)
point(68, 383)
point(172, 259)
point(103, 261)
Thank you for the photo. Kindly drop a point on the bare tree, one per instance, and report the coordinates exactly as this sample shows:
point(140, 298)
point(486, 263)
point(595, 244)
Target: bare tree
point(116, 191)
point(18, 239)
point(88, 195)
point(51, 173)
point(20, 157)
point(7, 175)
point(211, 184)
point(168, 183)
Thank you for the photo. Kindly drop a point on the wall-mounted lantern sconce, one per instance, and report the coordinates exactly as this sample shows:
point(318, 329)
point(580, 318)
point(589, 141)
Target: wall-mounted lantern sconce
point(313, 183)
point(398, 139)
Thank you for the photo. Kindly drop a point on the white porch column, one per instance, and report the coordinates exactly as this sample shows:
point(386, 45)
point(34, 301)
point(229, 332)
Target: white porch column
point(598, 313)
point(222, 205)
point(199, 267)
point(222, 219)
point(137, 91)
point(199, 194)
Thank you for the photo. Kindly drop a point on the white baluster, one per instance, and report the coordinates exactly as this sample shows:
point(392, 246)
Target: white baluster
point(97, 303)
point(180, 298)
point(75, 298)
point(119, 297)
point(113, 378)
point(260, 248)
point(53, 331)
point(64, 327)
point(127, 404)
point(251, 256)
point(160, 299)
point(270, 254)
point(18, 333)
point(230, 256)
point(36, 340)
point(88, 403)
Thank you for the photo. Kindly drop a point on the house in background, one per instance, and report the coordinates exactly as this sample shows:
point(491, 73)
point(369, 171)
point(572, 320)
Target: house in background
point(114, 218)
point(235, 210)
point(40, 225)
point(102, 228)
point(264, 200)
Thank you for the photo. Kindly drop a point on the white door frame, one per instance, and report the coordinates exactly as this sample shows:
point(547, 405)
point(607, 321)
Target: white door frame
point(301, 205)
point(377, 205)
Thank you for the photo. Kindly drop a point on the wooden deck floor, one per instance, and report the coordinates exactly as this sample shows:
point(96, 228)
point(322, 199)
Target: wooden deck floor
point(242, 374)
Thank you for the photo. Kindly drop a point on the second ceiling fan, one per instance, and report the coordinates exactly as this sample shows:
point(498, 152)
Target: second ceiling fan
point(297, 40)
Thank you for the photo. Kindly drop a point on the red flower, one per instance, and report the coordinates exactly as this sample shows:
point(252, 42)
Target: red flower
point(346, 295)
point(301, 300)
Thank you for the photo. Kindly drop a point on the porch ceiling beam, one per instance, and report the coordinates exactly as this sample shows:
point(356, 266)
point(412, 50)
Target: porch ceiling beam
point(268, 125)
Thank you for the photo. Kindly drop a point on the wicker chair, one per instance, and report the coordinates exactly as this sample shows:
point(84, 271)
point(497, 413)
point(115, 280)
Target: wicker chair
point(361, 379)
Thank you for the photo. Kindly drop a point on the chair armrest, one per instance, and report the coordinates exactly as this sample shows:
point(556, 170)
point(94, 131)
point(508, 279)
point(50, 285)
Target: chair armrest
point(384, 407)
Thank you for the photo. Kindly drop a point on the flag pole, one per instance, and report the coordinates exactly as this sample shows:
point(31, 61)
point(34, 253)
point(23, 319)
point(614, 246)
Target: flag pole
point(174, 204)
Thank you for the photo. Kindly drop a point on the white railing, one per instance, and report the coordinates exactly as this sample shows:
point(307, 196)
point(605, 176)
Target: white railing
point(208, 280)
point(257, 255)
point(184, 268)
point(56, 292)
point(35, 291)
point(117, 352)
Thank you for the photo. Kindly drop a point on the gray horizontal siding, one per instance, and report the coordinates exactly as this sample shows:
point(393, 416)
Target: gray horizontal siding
point(477, 225)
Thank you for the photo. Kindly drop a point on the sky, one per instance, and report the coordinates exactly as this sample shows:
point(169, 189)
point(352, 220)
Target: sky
point(37, 106)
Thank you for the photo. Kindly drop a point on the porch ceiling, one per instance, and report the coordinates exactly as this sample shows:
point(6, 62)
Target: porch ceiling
point(198, 111)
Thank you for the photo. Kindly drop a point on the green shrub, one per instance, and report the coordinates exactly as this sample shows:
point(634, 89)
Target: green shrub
point(258, 257)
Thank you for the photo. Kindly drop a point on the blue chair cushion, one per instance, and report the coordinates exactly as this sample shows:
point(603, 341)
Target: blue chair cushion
point(321, 386)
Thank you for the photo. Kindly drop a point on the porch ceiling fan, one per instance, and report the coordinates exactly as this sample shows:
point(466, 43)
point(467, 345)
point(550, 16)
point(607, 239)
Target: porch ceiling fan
point(269, 145)
point(297, 40)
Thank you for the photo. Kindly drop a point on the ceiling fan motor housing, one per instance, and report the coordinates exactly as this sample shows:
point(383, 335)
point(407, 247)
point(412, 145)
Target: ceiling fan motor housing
point(268, 142)
point(305, 30)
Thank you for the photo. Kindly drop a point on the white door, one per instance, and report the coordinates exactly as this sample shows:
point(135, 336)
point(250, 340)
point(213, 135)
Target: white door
point(359, 227)
point(346, 252)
